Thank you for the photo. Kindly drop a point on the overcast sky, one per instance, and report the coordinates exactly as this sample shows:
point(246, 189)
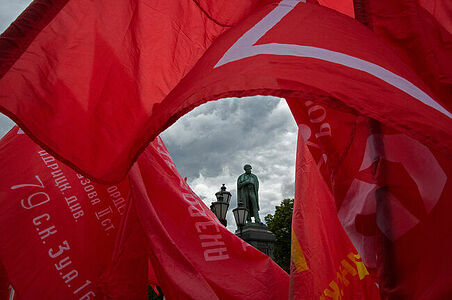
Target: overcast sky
point(211, 144)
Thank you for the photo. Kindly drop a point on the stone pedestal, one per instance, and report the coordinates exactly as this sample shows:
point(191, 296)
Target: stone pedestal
point(258, 236)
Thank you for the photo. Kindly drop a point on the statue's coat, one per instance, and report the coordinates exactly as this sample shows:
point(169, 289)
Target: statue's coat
point(241, 191)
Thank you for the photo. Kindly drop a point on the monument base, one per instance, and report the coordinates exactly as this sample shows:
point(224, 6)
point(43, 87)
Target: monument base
point(258, 236)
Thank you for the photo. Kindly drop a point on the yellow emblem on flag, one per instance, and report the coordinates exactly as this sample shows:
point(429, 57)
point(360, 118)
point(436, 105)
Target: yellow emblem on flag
point(297, 255)
point(362, 271)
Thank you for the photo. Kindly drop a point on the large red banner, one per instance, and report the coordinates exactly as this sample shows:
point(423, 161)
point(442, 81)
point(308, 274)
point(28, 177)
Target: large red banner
point(390, 189)
point(126, 90)
point(392, 195)
point(193, 255)
point(83, 77)
point(59, 230)
point(63, 236)
point(421, 34)
point(324, 263)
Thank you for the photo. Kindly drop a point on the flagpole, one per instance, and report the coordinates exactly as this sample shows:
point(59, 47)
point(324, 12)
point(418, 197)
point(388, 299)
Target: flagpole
point(384, 249)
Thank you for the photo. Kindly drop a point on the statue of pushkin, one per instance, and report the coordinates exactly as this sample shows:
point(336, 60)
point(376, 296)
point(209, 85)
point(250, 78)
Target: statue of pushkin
point(247, 193)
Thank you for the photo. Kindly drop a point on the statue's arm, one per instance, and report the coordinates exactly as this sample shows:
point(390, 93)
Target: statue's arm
point(239, 195)
point(241, 183)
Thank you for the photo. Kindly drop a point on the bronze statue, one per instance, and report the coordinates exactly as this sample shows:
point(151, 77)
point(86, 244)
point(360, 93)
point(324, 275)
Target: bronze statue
point(247, 193)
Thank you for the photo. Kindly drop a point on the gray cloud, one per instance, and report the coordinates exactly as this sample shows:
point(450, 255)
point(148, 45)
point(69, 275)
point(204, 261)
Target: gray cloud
point(288, 189)
point(5, 125)
point(10, 10)
point(211, 144)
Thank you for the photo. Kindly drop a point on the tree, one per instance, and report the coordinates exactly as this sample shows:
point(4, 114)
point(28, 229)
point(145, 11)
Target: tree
point(281, 226)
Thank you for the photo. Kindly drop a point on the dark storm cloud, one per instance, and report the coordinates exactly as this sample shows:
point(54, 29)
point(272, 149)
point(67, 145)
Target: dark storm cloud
point(211, 144)
point(225, 129)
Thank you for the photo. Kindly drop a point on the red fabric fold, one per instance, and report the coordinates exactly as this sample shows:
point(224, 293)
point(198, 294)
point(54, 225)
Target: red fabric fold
point(101, 80)
point(63, 236)
point(392, 197)
point(324, 263)
point(192, 254)
point(83, 78)
point(59, 230)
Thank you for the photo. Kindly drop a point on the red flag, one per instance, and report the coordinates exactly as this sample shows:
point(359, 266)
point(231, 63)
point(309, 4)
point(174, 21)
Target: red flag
point(4, 283)
point(421, 33)
point(265, 54)
point(58, 229)
point(324, 263)
point(392, 195)
point(99, 66)
point(406, 179)
point(83, 78)
point(395, 212)
point(66, 237)
point(193, 255)
point(343, 6)
point(441, 10)
point(129, 272)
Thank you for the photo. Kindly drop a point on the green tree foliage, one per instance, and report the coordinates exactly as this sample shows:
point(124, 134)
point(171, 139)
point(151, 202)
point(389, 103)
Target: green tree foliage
point(281, 225)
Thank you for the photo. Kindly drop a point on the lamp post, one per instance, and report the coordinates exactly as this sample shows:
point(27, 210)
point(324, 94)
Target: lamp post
point(240, 215)
point(220, 207)
point(255, 234)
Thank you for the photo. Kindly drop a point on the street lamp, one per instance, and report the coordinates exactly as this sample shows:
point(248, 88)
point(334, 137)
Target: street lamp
point(220, 207)
point(240, 215)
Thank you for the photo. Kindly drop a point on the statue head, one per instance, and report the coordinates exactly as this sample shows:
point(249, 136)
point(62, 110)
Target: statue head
point(247, 168)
